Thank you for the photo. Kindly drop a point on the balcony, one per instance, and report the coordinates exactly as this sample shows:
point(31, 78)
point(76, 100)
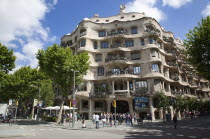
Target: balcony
point(114, 58)
point(172, 63)
point(117, 32)
point(152, 31)
point(117, 45)
point(121, 92)
point(100, 94)
point(143, 91)
point(172, 51)
point(168, 39)
point(174, 77)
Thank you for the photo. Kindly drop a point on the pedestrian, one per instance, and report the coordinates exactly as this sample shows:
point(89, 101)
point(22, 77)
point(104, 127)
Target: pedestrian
point(175, 121)
point(103, 119)
point(97, 121)
point(93, 118)
point(83, 123)
point(110, 119)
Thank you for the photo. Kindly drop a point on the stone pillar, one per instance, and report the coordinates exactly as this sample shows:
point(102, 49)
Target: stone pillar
point(90, 103)
point(128, 88)
point(130, 103)
point(151, 109)
point(108, 106)
point(161, 114)
point(134, 85)
point(112, 87)
point(171, 112)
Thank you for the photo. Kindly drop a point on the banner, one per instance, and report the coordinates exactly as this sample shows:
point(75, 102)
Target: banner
point(141, 103)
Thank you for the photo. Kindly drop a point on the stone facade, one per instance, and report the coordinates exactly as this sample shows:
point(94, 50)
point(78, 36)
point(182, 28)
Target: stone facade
point(131, 56)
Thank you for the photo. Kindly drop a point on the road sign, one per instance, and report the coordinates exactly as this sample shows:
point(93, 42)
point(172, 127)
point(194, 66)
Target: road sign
point(10, 101)
point(74, 102)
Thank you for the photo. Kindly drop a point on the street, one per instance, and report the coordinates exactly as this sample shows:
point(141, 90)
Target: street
point(190, 128)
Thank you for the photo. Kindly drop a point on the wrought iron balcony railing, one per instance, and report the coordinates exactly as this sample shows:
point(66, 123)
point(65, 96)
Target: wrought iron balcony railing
point(112, 58)
point(117, 32)
point(100, 94)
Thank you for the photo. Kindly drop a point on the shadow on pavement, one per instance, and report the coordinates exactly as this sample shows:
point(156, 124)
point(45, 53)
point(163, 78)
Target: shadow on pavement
point(30, 122)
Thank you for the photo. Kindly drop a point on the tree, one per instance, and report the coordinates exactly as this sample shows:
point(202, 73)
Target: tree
point(163, 102)
point(26, 84)
point(7, 59)
point(58, 63)
point(198, 47)
point(181, 104)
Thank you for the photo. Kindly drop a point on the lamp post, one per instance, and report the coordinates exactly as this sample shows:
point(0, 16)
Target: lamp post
point(73, 113)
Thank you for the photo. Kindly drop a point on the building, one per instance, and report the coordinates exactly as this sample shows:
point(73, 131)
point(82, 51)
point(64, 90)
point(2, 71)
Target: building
point(132, 57)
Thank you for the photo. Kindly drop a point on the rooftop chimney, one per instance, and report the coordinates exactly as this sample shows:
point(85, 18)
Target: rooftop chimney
point(122, 9)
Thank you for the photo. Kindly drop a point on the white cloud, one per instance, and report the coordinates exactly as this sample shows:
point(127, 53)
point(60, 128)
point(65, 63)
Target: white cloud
point(146, 6)
point(206, 11)
point(175, 3)
point(21, 21)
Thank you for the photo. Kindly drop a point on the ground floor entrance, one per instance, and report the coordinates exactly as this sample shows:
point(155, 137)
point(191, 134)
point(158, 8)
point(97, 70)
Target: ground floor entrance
point(122, 107)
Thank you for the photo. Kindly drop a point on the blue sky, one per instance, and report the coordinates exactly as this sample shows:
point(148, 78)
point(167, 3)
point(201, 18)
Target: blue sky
point(29, 25)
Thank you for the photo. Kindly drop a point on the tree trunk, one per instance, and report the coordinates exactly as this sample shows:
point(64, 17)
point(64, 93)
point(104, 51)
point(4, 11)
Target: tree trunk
point(60, 111)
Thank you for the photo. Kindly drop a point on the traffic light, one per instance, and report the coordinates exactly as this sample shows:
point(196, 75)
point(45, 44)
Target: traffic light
point(114, 103)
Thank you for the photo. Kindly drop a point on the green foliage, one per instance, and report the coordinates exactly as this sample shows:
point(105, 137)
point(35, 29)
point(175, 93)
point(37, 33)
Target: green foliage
point(198, 47)
point(57, 63)
point(26, 84)
point(181, 104)
point(163, 101)
point(7, 59)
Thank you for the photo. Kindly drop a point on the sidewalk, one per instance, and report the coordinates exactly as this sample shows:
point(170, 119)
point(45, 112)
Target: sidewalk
point(7, 131)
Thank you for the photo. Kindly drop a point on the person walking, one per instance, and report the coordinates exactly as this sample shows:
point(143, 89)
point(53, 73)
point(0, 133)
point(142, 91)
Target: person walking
point(103, 119)
point(97, 121)
point(93, 118)
point(175, 121)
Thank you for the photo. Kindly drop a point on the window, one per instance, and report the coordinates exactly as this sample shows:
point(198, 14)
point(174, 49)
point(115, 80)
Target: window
point(137, 70)
point(95, 45)
point(85, 104)
point(104, 44)
point(151, 40)
point(154, 53)
point(158, 45)
point(134, 30)
point(142, 42)
point(100, 71)
point(82, 43)
point(101, 88)
point(135, 56)
point(129, 43)
point(99, 104)
point(116, 71)
point(141, 84)
point(69, 43)
point(98, 58)
point(82, 87)
point(155, 67)
point(102, 33)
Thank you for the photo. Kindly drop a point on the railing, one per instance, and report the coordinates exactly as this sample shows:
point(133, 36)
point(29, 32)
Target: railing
point(140, 92)
point(115, 45)
point(172, 63)
point(168, 39)
point(173, 52)
point(121, 93)
point(100, 94)
point(83, 33)
point(174, 77)
point(112, 58)
point(152, 31)
point(117, 32)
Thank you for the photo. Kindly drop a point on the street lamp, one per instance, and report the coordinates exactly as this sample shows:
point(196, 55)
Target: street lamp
point(73, 113)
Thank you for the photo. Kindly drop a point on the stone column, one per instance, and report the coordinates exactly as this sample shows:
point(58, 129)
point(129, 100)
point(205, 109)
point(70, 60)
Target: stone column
point(130, 103)
point(90, 103)
point(108, 106)
point(161, 114)
point(134, 85)
point(128, 88)
point(112, 87)
point(151, 108)
point(171, 112)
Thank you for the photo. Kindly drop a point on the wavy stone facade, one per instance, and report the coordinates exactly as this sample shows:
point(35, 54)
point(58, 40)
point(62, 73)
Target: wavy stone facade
point(131, 56)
